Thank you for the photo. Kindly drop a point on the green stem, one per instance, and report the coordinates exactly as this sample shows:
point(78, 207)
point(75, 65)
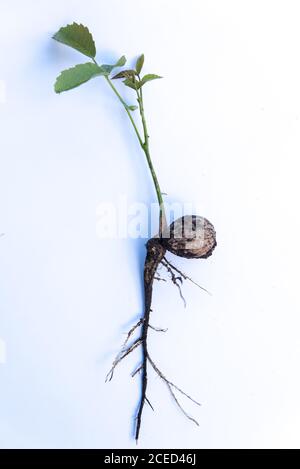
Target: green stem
point(162, 214)
point(145, 146)
point(125, 106)
point(126, 109)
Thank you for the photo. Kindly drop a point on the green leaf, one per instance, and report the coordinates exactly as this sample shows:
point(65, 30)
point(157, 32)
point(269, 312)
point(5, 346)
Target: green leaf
point(134, 85)
point(138, 84)
point(73, 77)
point(78, 37)
point(139, 64)
point(107, 68)
point(121, 62)
point(149, 77)
point(130, 83)
point(133, 108)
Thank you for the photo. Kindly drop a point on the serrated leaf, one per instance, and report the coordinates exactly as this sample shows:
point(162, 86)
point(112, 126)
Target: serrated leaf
point(75, 76)
point(78, 37)
point(139, 64)
point(149, 77)
point(124, 74)
point(133, 108)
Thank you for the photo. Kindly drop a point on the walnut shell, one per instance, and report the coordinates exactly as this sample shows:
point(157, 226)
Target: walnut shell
point(190, 236)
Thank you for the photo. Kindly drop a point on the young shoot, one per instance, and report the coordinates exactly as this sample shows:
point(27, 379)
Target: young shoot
point(190, 236)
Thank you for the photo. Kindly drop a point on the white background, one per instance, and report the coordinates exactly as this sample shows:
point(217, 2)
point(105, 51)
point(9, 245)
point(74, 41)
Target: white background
point(224, 125)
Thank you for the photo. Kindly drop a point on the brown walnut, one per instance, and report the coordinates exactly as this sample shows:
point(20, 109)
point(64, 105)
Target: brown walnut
point(190, 236)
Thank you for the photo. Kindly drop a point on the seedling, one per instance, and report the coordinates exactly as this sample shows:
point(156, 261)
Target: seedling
point(190, 236)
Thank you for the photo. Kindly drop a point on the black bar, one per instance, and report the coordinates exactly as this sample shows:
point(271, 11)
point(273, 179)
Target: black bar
point(128, 458)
